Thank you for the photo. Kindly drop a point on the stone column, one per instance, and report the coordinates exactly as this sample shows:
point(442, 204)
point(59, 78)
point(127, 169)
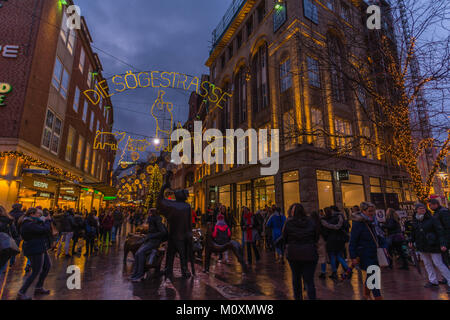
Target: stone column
point(309, 196)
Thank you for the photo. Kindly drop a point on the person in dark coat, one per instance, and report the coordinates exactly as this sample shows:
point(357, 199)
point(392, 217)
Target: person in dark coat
point(300, 234)
point(7, 226)
point(363, 243)
point(91, 231)
point(78, 229)
point(157, 233)
point(395, 238)
point(36, 234)
point(443, 215)
point(118, 222)
point(178, 215)
point(336, 237)
point(428, 238)
point(16, 212)
point(67, 226)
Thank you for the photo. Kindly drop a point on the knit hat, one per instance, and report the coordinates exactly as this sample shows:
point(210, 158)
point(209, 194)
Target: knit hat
point(419, 205)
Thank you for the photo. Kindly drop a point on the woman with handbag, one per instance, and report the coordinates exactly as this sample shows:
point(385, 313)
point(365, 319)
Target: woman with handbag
point(300, 234)
point(366, 246)
point(7, 226)
point(428, 237)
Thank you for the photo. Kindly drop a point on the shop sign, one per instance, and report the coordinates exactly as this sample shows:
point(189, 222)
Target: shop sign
point(36, 171)
point(40, 184)
point(5, 88)
point(343, 175)
point(43, 195)
point(68, 198)
point(9, 51)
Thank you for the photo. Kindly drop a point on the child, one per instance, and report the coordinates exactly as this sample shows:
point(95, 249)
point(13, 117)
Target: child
point(221, 234)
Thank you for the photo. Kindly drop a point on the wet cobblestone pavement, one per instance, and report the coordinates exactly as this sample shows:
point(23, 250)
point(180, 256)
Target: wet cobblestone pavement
point(104, 277)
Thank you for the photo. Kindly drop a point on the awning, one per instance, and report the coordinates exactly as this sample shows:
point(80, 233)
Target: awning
point(107, 190)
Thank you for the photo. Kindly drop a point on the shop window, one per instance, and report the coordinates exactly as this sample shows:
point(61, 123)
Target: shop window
point(225, 195)
point(264, 192)
point(325, 188)
point(289, 129)
point(310, 11)
point(313, 72)
point(291, 193)
point(87, 157)
point(79, 151)
point(317, 128)
point(285, 75)
point(82, 60)
point(76, 99)
point(243, 196)
point(353, 191)
point(393, 186)
point(52, 132)
point(375, 185)
point(70, 142)
point(60, 78)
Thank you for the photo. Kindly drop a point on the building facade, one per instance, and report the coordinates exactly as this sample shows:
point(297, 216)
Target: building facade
point(260, 56)
point(48, 129)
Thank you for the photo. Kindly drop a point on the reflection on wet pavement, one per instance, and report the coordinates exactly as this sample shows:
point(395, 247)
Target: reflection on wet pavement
point(104, 277)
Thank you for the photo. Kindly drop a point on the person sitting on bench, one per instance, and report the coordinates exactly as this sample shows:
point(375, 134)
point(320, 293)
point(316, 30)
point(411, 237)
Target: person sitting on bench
point(157, 233)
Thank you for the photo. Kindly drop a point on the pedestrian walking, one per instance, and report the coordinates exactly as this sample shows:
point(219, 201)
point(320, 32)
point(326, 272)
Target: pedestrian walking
point(395, 238)
point(300, 236)
point(276, 224)
point(428, 238)
point(443, 215)
point(36, 233)
point(364, 244)
point(67, 225)
point(91, 232)
point(250, 234)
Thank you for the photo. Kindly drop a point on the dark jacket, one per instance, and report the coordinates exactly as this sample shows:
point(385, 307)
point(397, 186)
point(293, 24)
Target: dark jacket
point(157, 232)
point(118, 218)
point(78, 224)
point(392, 227)
point(362, 243)
point(178, 215)
point(221, 233)
point(300, 237)
point(36, 235)
point(16, 213)
point(443, 215)
point(7, 226)
point(67, 222)
point(428, 234)
point(335, 236)
point(91, 227)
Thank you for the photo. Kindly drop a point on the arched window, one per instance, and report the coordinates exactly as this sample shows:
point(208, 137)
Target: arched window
point(336, 52)
point(260, 88)
point(240, 97)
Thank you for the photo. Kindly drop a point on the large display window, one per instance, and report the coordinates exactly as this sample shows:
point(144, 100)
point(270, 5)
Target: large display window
point(353, 191)
point(325, 188)
point(264, 192)
point(291, 193)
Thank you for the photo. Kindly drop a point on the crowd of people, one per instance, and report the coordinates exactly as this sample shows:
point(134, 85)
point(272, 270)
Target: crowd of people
point(343, 241)
point(43, 232)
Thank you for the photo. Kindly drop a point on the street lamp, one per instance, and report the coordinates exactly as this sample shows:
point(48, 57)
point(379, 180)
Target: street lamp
point(156, 141)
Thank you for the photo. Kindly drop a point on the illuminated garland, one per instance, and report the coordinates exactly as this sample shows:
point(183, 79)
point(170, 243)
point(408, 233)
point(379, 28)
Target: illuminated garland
point(28, 160)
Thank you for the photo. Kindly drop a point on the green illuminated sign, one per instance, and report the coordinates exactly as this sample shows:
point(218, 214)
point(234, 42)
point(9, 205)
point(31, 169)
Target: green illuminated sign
point(109, 198)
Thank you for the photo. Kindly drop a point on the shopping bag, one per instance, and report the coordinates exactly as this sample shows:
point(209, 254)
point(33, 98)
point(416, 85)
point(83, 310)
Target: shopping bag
point(382, 258)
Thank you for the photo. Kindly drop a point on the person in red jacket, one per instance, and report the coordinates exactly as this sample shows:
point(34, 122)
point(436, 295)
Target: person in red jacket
point(221, 234)
point(106, 225)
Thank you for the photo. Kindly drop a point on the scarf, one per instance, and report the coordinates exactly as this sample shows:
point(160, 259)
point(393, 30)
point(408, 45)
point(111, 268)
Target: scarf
point(248, 217)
